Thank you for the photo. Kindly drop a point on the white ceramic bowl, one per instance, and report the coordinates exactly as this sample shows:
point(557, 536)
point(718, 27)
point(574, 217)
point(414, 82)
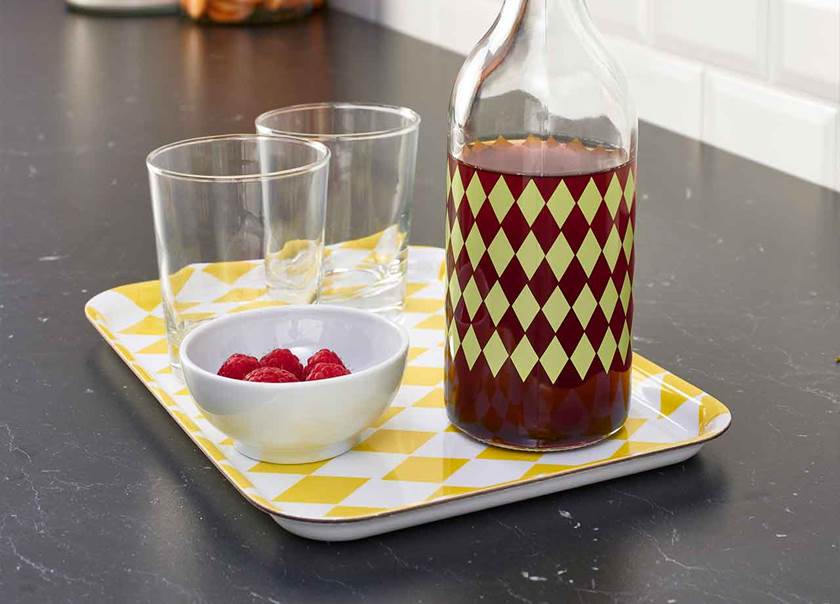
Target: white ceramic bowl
point(303, 421)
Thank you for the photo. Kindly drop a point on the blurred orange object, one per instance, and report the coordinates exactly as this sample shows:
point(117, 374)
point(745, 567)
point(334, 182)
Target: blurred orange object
point(247, 11)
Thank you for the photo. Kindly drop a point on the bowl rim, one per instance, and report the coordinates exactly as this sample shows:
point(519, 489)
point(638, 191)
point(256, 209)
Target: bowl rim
point(401, 330)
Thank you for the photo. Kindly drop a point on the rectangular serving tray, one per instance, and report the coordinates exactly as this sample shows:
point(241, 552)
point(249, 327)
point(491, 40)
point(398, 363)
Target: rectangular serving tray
point(412, 466)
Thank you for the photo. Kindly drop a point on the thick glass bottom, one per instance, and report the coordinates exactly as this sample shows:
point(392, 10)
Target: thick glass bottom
point(541, 446)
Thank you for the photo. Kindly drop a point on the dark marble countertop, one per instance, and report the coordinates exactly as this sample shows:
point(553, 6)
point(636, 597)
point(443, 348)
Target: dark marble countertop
point(103, 498)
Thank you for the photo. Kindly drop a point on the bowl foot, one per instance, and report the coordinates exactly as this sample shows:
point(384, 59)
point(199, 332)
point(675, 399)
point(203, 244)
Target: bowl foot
point(296, 456)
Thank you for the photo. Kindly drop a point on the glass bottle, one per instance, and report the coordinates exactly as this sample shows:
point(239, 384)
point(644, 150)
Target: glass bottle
point(540, 215)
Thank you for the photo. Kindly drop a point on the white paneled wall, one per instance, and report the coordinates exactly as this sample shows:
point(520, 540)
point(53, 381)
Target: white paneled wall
point(760, 78)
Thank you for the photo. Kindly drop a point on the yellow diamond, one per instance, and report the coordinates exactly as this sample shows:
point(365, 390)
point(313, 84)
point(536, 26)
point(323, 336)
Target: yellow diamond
point(475, 194)
point(530, 254)
point(423, 376)
point(242, 294)
point(530, 202)
point(353, 511)
point(500, 252)
point(433, 399)
point(585, 305)
point(230, 272)
point(448, 180)
point(495, 353)
point(146, 295)
point(501, 199)
point(613, 196)
point(630, 189)
point(628, 241)
point(321, 489)
point(590, 200)
point(526, 307)
point(624, 343)
point(606, 351)
point(159, 347)
point(496, 303)
point(560, 204)
point(559, 256)
point(626, 290)
point(582, 356)
point(456, 238)
point(612, 248)
point(472, 297)
point(471, 347)
point(454, 339)
point(524, 358)
point(265, 467)
point(475, 246)
point(589, 252)
point(454, 289)
point(148, 326)
point(425, 469)
point(433, 322)
point(395, 441)
point(608, 299)
point(556, 308)
point(554, 359)
point(457, 188)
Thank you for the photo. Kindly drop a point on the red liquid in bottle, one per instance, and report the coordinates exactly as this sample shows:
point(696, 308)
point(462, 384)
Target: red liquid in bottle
point(539, 303)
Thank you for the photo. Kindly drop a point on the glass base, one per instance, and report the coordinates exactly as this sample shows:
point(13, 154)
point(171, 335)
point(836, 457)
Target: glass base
point(543, 446)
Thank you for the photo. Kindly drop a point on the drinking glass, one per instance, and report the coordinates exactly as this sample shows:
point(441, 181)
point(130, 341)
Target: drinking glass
point(239, 224)
point(371, 182)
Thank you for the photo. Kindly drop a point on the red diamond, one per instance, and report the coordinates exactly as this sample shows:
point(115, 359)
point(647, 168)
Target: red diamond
point(602, 224)
point(596, 328)
point(570, 333)
point(486, 272)
point(516, 183)
point(617, 321)
point(482, 325)
point(576, 184)
point(546, 185)
point(487, 179)
point(575, 228)
point(543, 283)
point(602, 181)
point(515, 227)
point(573, 281)
point(539, 333)
point(545, 228)
point(488, 224)
point(622, 219)
point(600, 276)
point(513, 279)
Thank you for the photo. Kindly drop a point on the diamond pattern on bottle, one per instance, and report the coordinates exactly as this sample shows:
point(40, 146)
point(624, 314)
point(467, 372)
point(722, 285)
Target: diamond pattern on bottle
point(539, 275)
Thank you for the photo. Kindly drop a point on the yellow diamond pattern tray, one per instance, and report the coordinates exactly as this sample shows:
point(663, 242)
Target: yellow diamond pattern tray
point(412, 460)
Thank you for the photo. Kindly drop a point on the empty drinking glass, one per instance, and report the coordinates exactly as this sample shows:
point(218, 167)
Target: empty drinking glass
point(374, 148)
point(239, 224)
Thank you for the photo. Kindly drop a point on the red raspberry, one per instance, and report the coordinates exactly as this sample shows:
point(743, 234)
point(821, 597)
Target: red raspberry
point(322, 356)
point(283, 358)
point(271, 374)
point(237, 366)
point(324, 371)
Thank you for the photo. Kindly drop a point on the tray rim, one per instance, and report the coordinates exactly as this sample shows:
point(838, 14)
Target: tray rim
point(700, 439)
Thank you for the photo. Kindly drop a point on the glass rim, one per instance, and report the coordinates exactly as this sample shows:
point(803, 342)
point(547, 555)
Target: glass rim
point(412, 121)
point(306, 168)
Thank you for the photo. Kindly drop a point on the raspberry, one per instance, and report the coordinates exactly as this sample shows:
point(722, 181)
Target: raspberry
point(271, 374)
point(237, 366)
point(324, 371)
point(322, 356)
point(283, 358)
